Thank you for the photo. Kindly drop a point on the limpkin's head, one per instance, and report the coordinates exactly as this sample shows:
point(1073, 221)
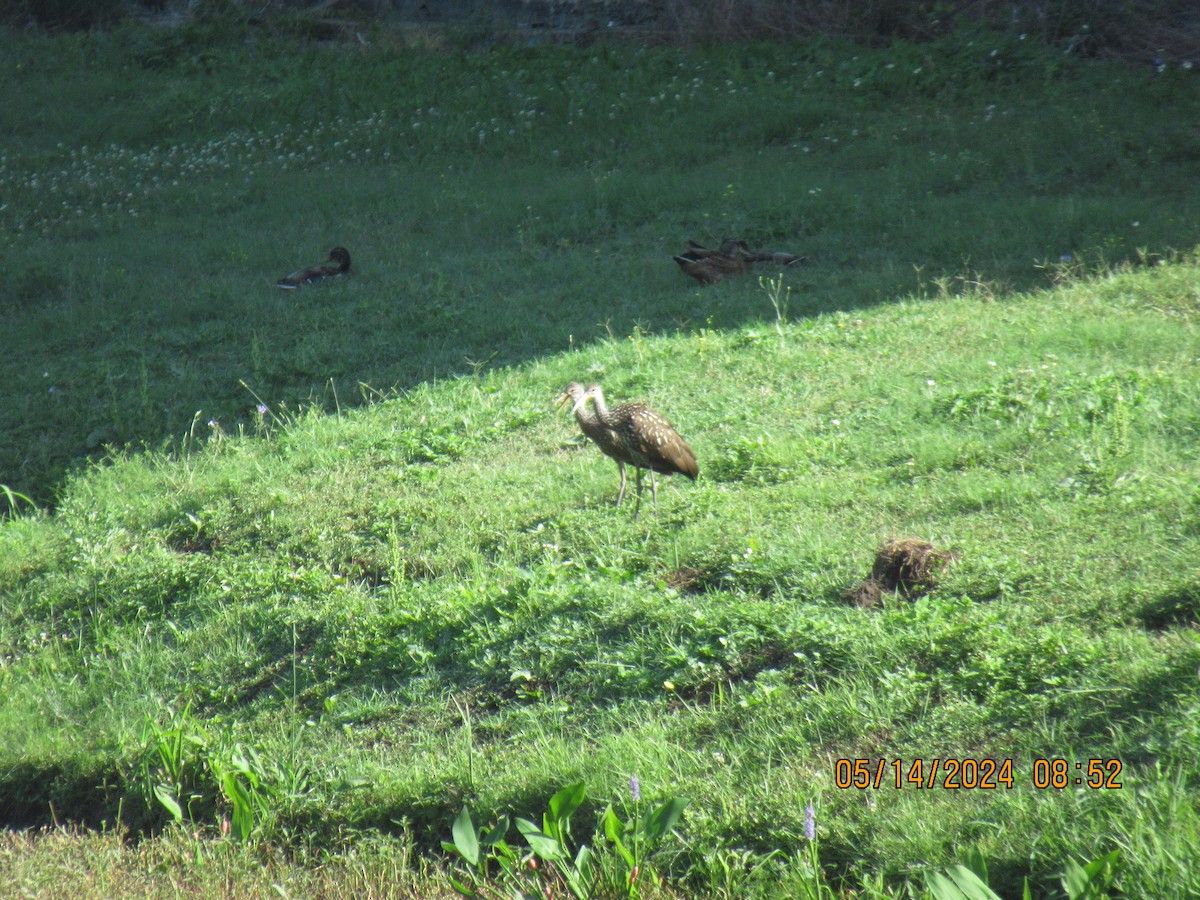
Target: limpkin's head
point(573, 393)
point(594, 392)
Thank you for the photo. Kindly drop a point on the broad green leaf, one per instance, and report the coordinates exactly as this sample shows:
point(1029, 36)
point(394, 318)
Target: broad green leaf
point(971, 885)
point(976, 863)
point(958, 883)
point(1101, 871)
point(567, 801)
point(544, 846)
point(583, 859)
point(561, 806)
point(167, 799)
point(579, 876)
point(613, 829)
point(942, 887)
point(541, 843)
point(465, 839)
point(243, 805)
point(664, 818)
point(1093, 879)
point(1075, 880)
point(494, 835)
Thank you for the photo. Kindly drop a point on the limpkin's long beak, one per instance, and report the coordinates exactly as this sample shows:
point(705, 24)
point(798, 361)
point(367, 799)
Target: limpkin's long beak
point(562, 400)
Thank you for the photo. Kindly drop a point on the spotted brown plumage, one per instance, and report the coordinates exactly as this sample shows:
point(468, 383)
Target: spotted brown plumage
point(733, 257)
point(313, 274)
point(599, 434)
point(646, 441)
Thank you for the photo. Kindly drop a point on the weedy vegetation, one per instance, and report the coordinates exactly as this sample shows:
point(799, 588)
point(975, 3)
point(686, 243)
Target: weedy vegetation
point(313, 593)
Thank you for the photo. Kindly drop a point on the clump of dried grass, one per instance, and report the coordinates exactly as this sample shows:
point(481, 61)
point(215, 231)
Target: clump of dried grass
point(906, 567)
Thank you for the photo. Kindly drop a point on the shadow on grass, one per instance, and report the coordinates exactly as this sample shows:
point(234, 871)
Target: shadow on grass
point(1179, 607)
point(85, 793)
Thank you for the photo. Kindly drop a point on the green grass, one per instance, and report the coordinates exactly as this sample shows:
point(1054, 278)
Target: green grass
point(402, 588)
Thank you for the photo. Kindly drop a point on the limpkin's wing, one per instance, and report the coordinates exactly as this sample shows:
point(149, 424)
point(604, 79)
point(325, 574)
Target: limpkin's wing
point(658, 446)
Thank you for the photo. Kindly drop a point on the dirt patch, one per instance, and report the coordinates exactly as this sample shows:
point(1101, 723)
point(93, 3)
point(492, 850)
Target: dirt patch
point(688, 580)
point(906, 567)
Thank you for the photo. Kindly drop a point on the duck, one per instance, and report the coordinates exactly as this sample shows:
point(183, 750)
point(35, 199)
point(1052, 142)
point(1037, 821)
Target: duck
point(711, 268)
point(732, 257)
point(340, 256)
point(774, 258)
point(731, 247)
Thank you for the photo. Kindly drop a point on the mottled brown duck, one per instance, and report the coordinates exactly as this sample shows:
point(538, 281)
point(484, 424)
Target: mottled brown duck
point(339, 256)
point(733, 257)
point(711, 269)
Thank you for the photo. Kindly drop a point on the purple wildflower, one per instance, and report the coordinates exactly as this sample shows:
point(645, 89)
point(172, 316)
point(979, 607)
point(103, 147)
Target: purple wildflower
point(635, 789)
point(262, 409)
point(810, 822)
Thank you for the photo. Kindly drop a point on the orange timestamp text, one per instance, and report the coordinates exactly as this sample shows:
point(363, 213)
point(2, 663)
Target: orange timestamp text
point(967, 773)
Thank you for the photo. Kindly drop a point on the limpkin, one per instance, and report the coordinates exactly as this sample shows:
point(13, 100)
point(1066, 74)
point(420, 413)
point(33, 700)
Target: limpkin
point(600, 435)
point(642, 438)
point(313, 274)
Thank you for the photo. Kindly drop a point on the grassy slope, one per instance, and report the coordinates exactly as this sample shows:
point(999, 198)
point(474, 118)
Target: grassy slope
point(429, 600)
point(553, 183)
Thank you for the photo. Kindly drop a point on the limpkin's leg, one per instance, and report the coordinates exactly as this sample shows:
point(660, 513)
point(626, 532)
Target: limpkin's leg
point(621, 490)
point(654, 490)
point(638, 507)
